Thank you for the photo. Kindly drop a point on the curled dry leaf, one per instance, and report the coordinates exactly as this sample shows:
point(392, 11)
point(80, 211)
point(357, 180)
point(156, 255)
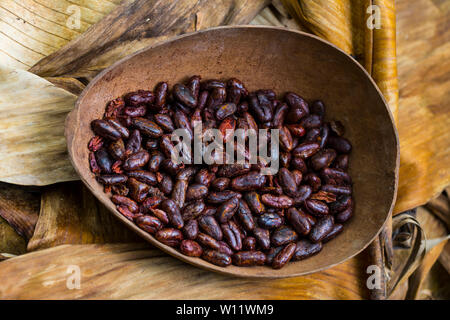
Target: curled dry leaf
point(32, 115)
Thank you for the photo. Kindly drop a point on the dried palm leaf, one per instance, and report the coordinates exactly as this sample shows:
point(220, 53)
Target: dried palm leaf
point(134, 25)
point(70, 214)
point(32, 115)
point(33, 29)
point(145, 273)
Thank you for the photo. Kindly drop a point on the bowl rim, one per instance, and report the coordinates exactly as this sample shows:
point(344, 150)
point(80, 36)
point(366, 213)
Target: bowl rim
point(71, 133)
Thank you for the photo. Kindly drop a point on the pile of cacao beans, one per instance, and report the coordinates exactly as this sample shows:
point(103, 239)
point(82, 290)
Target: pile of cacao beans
point(225, 213)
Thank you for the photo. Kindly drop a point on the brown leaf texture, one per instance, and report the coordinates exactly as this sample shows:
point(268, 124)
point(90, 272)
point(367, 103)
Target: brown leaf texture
point(20, 208)
point(33, 29)
point(145, 273)
point(70, 214)
point(32, 115)
point(344, 23)
point(135, 25)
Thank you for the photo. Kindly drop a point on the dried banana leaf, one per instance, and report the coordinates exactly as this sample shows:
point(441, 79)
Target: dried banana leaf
point(11, 243)
point(70, 214)
point(344, 23)
point(20, 208)
point(423, 47)
point(145, 273)
point(33, 29)
point(134, 25)
point(32, 115)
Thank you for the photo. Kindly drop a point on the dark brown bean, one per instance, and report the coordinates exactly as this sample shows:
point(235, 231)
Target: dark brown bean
point(269, 220)
point(233, 170)
point(193, 210)
point(253, 201)
point(161, 215)
point(138, 190)
point(220, 184)
point(173, 212)
point(165, 122)
point(316, 207)
point(208, 241)
point(344, 190)
point(104, 129)
point(313, 180)
point(119, 127)
point(284, 256)
point(225, 110)
point(205, 177)
point(191, 248)
point(337, 229)
point(232, 235)
point(134, 143)
point(184, 95)
point(249, 258)
point(340, 144)
point(287, 182)
point(306, 150)
point(169, 236)
point(210, 226)
point(226, 211)
point(249, 181)
point(179, 192)
point(148, 223)
point(245, 215)
point(323, 159)
point(166, 184)
point(131, 204)
point(190, 229)
point(299, 221)
point(311, 121)
point(112, 179)
point(146, 177)
point(342, 162)
point(139, 97)
point(249, 243)
point(304, 192)
point(262, 237)
point(344, 215)
point(322, 228)
point(305, 249)
point(283, 235)
point(221, 196)
point(196, 191)
point(272, 253)
point(103, 160)
point(147, 127)
point(280, 202)
point(217, 258)
point(136, 160)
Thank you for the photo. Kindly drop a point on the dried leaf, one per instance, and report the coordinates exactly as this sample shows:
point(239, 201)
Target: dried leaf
point(31, 30)
point(10, 241)
point(32, 115)
point(70, 214)
point(20, 208)
point(145, 273)
point(424, 113)
point(135, 25)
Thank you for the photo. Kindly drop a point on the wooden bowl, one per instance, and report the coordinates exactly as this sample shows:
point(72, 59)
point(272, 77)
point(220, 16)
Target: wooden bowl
point(264, 57)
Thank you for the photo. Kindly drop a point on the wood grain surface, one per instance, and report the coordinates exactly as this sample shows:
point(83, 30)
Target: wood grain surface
point(132, 271)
